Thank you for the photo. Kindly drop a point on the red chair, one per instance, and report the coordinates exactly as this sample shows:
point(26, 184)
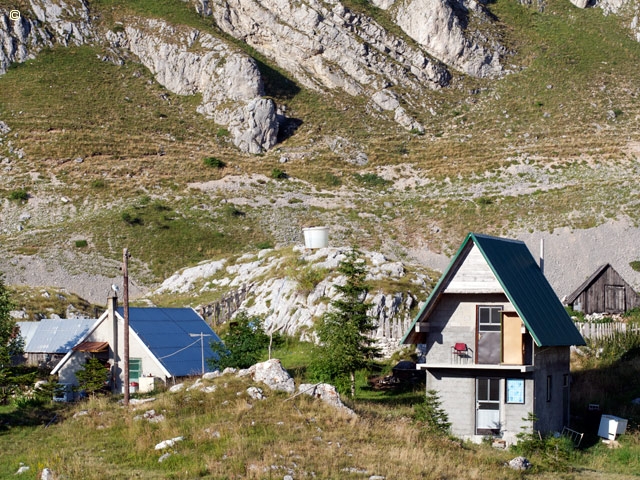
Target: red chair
point(460, 351)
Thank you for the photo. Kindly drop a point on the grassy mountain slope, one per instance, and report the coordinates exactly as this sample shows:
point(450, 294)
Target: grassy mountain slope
point(553, 143)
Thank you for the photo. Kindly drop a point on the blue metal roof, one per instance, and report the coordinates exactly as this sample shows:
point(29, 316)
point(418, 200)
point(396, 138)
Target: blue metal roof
point(524, 285)
point(54, 335)
point(166, 333)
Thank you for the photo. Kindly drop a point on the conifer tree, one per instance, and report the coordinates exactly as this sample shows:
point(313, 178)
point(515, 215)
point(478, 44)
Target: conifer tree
point(343, 332)
point(11, 343)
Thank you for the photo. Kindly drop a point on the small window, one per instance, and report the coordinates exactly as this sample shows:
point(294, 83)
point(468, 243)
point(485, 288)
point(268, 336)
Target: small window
point(489, 318)
point(488, 389)
point(135, 368)
point(549, 388)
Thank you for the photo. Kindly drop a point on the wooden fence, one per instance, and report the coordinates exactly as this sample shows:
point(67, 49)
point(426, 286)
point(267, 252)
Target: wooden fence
point(601, 330)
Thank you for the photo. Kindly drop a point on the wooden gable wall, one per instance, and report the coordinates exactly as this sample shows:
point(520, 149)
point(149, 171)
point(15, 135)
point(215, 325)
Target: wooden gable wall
point(608, 293)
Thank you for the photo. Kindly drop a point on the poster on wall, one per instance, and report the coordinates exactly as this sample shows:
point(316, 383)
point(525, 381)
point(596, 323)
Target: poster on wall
point(515, 390)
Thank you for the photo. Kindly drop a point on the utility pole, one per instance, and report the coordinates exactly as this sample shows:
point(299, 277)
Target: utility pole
point(201, 335)
point(125, 301)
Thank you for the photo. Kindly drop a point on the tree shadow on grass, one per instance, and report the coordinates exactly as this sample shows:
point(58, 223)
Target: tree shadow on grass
point(32, 414)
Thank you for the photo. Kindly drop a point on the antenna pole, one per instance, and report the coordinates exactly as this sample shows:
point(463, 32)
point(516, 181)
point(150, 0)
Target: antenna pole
point(125, 301)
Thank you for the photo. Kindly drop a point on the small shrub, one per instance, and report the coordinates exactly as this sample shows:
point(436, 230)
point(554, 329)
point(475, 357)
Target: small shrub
point(484, 201)
point(416, 131)
point(20, 195)
point(117, 28)
point(131, 218)
point(214, 162)
point(264, 245)
point(554, 448)
point(309, 277)
point(279, 174)
point(232, 211)
point(222, 132)
point(98, 183)
point(371, 180)
point(81, 243)
point(328, 179)
point(635, 265)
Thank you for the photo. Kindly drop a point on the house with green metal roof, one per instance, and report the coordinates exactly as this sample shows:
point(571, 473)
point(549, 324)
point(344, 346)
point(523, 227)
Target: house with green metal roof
point(495, 341)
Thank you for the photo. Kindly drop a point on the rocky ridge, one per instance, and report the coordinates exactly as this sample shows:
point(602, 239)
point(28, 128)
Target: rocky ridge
point(442, 28)
point(325, 46)
point(277, 289)
point(187, 61)
point(23, 38)
point(229, 80)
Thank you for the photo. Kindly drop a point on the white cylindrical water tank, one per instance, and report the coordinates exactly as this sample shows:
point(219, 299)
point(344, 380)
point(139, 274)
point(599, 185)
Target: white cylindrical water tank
point(316, 237)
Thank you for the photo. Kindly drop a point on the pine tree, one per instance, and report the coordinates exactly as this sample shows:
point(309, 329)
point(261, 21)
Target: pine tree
point(11, 343)
point(92, 377)
point(343, 332)
point(432, 414)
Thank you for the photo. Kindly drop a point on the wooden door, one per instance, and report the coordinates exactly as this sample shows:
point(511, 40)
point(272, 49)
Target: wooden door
point(614, 300)
point(512, 345)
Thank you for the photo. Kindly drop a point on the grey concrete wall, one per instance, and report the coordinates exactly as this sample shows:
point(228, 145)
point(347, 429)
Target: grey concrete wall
point(454, 320)
point(554, 362)
point(458, 395)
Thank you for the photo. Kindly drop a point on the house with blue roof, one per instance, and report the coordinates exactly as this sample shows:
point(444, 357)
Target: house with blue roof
point(164, 344)
point(495, 342)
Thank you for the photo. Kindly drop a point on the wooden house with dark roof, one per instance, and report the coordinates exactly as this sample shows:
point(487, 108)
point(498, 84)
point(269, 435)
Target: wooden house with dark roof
point(605, 291)
point(496, 342)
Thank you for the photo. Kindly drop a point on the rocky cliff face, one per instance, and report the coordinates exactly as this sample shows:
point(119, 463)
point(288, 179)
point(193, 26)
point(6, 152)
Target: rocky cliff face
point(187, 61)
point(64, 23)
point(442, 27)
point(183, 60)
point(327, 47)
point(263, 285)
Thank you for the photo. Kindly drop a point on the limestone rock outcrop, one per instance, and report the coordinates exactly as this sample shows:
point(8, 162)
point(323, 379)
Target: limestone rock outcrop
point(59, 22)
point(187, 61)
point(288, 308)
point(442, 28)
point(325, 46)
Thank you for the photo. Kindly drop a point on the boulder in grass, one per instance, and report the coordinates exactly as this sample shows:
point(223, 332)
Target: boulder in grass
point(325, 392)
point(520, 464)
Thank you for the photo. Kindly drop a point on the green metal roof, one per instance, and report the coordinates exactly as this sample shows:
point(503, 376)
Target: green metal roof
point(524, 285)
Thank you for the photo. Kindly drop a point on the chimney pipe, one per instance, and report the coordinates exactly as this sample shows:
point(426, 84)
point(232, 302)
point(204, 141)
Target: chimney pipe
point(542, 255)
point(112, 304)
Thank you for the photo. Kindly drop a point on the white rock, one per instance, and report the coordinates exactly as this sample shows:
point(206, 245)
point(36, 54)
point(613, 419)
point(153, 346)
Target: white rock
point(176, 388)
point(187, 61)
point(272, 374)
point(325, 46)
point(211, 375)
point(435, 25)
point(183, 281)
point(163, 457)
point(325, 392)
point(255, 393)
point(168, 443)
